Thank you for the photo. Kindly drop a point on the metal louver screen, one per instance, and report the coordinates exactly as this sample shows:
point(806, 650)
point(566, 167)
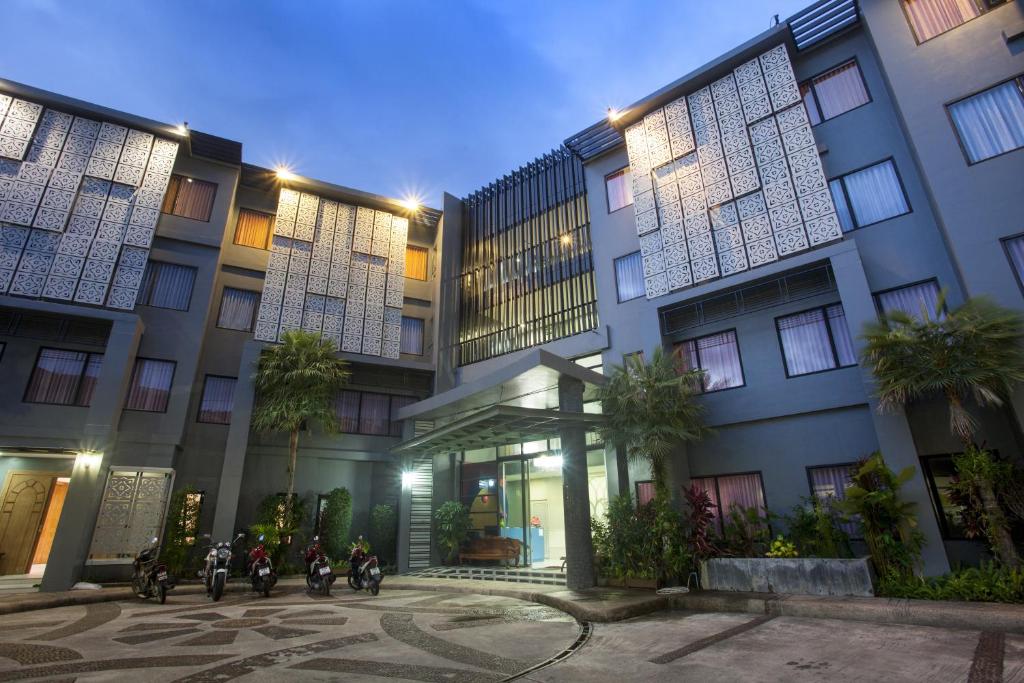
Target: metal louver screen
point(420, 512)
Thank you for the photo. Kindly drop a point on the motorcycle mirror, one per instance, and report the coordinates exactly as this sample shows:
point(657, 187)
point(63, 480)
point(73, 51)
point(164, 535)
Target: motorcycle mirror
point(316, 538)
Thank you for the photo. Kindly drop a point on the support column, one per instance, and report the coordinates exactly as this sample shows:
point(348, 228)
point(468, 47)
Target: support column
point(579, 547)
point(894, 436)
point(89, 474)
point(237, 443)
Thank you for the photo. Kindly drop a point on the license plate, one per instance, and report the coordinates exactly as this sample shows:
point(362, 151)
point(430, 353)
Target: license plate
point(264, 571)
point(374, 571)
point(324, 571)
point(162, 576)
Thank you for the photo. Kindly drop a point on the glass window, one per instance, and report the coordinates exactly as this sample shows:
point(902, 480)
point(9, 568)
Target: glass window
point(644, 492)
point(929, 18)
point(374, 414)
point(830, 482)
point(150, 389)
point(218, 400)
point(742, 490)
point(718, 355)
point(991, 122)
point(939, 472)
point(869, 195)
point(815, 340)
point(254, 228)
point(412, 336)
point(619, 187)
point(64, 377)
point(396, 403)
point(629, 276)
point(912, 300)
point(166, 285)
point(1014, 249)
point(834, 92)
point(238, 309)
point(189, 198)
point(416, 262)
point(346, 407)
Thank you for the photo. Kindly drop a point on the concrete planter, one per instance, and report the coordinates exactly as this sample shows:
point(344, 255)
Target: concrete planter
point(612, 582)
point(798, 576)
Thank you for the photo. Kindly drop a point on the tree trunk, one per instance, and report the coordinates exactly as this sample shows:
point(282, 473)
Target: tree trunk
point(996, 528)
point(293, 455)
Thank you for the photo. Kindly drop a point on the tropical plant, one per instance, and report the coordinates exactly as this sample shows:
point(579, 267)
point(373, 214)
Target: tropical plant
point(181, 529)
point(991, 582)
point(745, 532)
point(336, 522)
point(286, 519)
point(889, 523)
point(816, 529)
point(297, 382)
point(453, 525)
point(650, 410)
point(701, 523)
point(384, 531)
point(648, 542)
point(271, 537)
point(782, 548)
point(978, 477)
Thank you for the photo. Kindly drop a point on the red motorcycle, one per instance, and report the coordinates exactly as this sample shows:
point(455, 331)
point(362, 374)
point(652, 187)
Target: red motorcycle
point(319, 575)
point(261, 570)
point(364, 571)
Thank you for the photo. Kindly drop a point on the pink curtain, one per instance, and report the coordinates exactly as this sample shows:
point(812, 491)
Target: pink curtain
point(743, 490)
point(374, 414)
point(151, 385)
point(707, 484)
point(840, 90)
point(830, 483)
point(644, 492)
point(719, 356)
point(346, 408)
point(89, 378)
point(56, 377)
point(932, 17)
point(218, 400)
point(620, 190)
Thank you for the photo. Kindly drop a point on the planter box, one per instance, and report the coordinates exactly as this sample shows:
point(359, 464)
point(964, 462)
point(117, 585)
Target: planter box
point(798, 576)
point(611, 582)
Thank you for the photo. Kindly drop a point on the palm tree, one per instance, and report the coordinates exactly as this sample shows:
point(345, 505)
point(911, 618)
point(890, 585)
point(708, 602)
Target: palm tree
point(297, 382)
point(650, 409)
point(974, 352)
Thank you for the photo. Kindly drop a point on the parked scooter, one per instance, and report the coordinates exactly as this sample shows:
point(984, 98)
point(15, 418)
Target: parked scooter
point(261, 571)
point(319, 575)
point(218, 563)
point(364, 571)
point(149, 576)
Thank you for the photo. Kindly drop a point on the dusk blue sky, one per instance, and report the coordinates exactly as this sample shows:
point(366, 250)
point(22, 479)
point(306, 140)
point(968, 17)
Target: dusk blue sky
point(389, 97)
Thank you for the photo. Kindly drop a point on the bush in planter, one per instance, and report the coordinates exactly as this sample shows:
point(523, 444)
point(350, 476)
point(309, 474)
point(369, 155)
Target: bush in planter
point(384, 531)
point(181, 531)
point(990, 583)
point(641, 543)
point(816, 529)
point(979, 477)
point(336, 523)
point(272, 512)
point(271, 538)
point(781, 548)
point(453, 525)
point(746, 532)
point(701, 523)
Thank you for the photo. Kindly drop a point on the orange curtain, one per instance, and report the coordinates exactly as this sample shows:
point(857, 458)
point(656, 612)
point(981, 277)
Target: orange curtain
point(416, 263)
point(253, 229)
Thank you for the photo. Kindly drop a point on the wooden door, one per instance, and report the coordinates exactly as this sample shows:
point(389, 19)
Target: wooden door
point(21, 512)
point(50, 521)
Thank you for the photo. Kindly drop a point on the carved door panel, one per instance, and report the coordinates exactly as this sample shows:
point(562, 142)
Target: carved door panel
point(21, 513)
point(132, 512)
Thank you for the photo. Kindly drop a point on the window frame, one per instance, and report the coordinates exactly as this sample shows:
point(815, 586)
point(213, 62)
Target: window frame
point(846, 194)
point(423, 337)
point(270, 229)
point(814, 91)
point(1003, 241)
point(983, 7)
point(831, 341)
point(426, 255)
point(149, 291)
point(174, 199)
point(607, 198)
point(810, 487)
point(878, 304)
point(202, 394)
point(934, 496)
point(76, 403)
point(255, 310)
point(739, 357)
point(131, 382)
point(615, 270)
point(1018, 79)
point(719, 518)
point(391, 410)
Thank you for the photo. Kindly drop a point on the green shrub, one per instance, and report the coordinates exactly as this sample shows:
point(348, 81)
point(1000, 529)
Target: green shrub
point(815, 528)
point(649, 542)
point(336, 523)
point(782, 548)
point(990, 583)
point(271, 512)
point(271, 537)
point(453, 525)
point(384, 531)
point(746, 532)
point(181, 531)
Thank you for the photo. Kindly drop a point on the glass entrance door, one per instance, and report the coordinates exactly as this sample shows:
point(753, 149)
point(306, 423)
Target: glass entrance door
point(515, 500)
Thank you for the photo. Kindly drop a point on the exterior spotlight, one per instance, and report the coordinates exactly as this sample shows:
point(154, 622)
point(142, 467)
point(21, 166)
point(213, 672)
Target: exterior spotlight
point(284, 173)
point(408, 479)
point(566, 240)
point(411, 203)
point(615, 114)
point(181, 128)
point(89, 459)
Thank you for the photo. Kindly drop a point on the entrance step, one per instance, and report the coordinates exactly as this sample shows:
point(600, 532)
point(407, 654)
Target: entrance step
point(549, 577)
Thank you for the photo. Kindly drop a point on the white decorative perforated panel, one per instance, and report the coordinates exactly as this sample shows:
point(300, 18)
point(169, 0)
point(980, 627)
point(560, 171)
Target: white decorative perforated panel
point(728, 178)
point(334, 270)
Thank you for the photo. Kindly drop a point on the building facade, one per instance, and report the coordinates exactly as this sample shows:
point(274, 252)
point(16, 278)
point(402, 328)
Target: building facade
point(751, 216)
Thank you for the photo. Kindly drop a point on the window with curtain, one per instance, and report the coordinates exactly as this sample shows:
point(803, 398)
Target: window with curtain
point(644, 492)
point(63, 377)
point(346, 408)
point(834, 92)
point(718, 355)
point(829, 482)
point(868, 196)
point(1014, 250)
point(416, 262)
point(725, 491)
point(150, 389)
point(411, 340)
point(912, 300)
point(929, 18)
point(629, 276)
point(189, 198)
point(218, 400)
point(396, 403)
point(374, 414)
point(991, 122)
point(238, 309)
point(815, 340)
point(254, 228)
point(619, 189)
point(166, 285)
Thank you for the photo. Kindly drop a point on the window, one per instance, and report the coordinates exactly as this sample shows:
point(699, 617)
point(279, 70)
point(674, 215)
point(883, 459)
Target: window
point(991, 122)
point(829, 483)
point(396, 403)
point(375, 414)
point(1014, 250)
point(63, 377)
point(929, 18)
point(619, 188)
point(218, 400)
point(815, 340)
point(644, 492)
point(411, 340)
point(238, 309)
point(191, 508)
point(254, 229)
point(346, 408)
point(189, 198)
point(362, 412)
point(742, 490)
point(718, 355)
point(166, 285)
point(151, 385)
point(912, 300)
point(629, 276)
point(416, 262)
point(834, 92)
point(868, 196)
point(939, 472)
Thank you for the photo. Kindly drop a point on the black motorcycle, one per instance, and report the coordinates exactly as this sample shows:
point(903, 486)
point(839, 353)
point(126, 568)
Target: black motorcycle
point(218, 563)
point(149, 576)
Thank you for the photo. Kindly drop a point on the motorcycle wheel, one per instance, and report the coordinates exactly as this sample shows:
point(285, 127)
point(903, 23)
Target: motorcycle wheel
point(161, 593)
point(218, 587)
point(325, 587)
point(309, 583)
point(266, 589)
point(352, 583)
point(374, 587)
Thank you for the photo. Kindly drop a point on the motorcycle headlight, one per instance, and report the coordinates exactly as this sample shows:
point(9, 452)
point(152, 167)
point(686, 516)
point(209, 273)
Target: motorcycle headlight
point(223, 553)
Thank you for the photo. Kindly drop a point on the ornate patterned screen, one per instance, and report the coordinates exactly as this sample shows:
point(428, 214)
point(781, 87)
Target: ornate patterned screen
point(336, 270)
point(728, 178)
point(132, 512)
point(79, 202)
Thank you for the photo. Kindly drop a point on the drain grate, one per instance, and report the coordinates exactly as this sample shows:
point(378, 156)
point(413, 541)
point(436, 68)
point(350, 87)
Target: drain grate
point(586, 629)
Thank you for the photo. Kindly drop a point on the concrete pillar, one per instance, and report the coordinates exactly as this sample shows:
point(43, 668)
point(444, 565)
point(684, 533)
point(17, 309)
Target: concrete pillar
point(894, 436)
point(579, 547)
point(237, 444)
point(89, 475)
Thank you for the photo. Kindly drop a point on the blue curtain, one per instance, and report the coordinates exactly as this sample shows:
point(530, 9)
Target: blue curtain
point(412, 336)
point(629, 276)
point(218, 400)
point(805, 342)
point(167, 285)
point(912, 300)
point(875, 193)
point(237, 309)
point(991, 122)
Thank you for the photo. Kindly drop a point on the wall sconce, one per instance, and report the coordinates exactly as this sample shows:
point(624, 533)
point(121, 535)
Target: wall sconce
point(88, 460)
point(408, 479)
